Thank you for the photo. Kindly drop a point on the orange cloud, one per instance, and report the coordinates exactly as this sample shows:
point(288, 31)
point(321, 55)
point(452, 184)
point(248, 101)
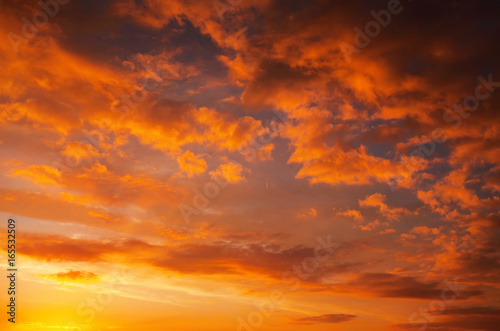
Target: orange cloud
point(377, 201)
point(190, 164)
point(311, 214)
point(354, 214)
point(73, 276)
point(425, 230)
point(231, 172)
point(41, 175)
point(78, 151)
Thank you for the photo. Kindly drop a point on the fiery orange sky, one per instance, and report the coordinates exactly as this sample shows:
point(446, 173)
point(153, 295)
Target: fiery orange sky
point(251, 164)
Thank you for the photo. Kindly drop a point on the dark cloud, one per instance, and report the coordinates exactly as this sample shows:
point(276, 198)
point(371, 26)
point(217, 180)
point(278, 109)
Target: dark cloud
point(384, 285)
point(326, 318)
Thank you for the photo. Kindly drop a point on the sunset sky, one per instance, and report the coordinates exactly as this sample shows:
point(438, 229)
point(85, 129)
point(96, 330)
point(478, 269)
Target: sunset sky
point(241, 165)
